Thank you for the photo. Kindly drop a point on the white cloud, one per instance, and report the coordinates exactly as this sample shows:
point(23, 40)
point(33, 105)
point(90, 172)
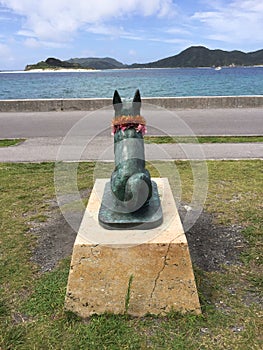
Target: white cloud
point(106, 30)
point(26, 33)
point(58, 20)
point(132, 53)
point(177, 31)
point(130, 36)
point(182, 42)
point(235, 22)
point(5, 55)
point(176, 41)
point(4, 50)
point(32, 43)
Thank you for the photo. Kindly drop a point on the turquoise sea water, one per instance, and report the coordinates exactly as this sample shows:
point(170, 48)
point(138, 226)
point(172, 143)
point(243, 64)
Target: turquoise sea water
point(151, 82)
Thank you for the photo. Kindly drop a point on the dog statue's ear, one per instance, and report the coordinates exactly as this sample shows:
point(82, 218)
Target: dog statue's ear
point(116, 98)
point(137, 96)
point(137, 102)
point(117, 103)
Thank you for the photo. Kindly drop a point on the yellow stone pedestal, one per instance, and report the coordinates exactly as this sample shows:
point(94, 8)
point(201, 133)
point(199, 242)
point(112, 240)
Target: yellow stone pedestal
point(133, 271)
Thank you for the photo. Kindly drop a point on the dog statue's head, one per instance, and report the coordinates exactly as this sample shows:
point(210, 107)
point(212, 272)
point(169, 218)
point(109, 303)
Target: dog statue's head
point(126, 109)
point(127, 115)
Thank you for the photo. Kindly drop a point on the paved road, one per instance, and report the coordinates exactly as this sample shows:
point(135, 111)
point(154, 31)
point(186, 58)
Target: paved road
point(241, 121)
point(101, 148)
point(86, 135)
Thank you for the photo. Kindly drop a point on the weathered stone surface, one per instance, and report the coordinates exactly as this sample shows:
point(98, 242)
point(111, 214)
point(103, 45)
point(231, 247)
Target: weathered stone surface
point(157, 260)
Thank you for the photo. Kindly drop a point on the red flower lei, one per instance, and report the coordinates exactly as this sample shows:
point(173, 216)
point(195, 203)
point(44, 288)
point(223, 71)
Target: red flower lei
point(127, 122)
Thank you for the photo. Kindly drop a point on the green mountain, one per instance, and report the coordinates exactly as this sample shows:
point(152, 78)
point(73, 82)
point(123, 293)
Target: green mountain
point(194, 56)
point(200, 56)
point(53, 63)
point(98, 63)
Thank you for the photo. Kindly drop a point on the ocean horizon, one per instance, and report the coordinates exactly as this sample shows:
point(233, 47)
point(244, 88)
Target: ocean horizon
point(152, 82)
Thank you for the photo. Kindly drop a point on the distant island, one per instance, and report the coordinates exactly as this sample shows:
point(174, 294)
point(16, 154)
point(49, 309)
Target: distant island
point(54, 64)
point(192, 57)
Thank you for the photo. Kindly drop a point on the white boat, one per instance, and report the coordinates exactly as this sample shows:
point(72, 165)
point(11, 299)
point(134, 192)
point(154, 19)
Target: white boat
point(218, 68)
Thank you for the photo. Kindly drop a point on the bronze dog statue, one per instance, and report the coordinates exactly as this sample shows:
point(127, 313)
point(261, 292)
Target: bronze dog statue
point(130, 181)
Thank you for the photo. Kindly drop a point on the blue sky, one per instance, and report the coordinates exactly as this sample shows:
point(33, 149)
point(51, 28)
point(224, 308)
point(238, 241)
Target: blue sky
point(128, 30)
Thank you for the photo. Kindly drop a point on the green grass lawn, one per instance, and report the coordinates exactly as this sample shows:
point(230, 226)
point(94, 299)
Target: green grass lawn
point(10, 142)
point(202, 139)
point(31, 302)
point(171, 139)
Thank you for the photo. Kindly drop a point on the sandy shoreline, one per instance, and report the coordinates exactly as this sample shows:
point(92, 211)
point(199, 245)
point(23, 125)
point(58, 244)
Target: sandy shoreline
point(62, 70)
point(72, 70)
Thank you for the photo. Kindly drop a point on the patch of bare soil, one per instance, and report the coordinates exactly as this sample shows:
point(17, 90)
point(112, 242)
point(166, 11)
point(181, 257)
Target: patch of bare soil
point(211, 246)
point(55, 242)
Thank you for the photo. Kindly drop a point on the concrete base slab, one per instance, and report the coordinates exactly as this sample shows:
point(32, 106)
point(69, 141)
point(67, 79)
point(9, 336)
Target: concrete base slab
point(133, 271)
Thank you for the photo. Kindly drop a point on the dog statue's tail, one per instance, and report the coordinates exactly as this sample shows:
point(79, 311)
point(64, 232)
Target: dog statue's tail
point(136, 193)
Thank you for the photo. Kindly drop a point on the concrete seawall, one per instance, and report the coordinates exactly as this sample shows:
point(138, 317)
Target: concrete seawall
point(89, 104)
